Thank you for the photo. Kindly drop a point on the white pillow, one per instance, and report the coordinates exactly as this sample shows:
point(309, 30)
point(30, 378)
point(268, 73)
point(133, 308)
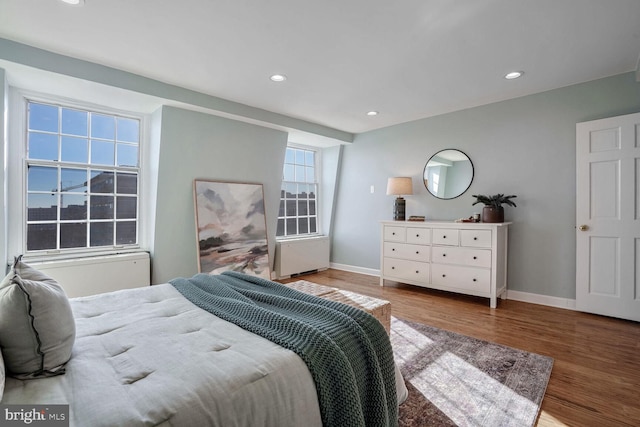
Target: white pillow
point(37, 329)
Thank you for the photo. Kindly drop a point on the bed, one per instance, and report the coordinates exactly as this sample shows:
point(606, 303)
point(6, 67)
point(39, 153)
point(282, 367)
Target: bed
point(150, 356)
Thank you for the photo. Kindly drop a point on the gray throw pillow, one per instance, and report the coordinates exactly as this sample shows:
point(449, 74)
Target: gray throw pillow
point(37, 329)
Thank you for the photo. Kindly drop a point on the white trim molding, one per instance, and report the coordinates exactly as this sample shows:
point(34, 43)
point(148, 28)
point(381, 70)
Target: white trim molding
point(355, 269)
point(567, 303)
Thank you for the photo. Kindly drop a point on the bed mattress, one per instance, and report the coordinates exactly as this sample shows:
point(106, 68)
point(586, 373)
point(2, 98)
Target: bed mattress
point(148, 356)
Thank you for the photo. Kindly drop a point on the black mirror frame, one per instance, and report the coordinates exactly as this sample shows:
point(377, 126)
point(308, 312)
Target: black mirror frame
point(473, 172)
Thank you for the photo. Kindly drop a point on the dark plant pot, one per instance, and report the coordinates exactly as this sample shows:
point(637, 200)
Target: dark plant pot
point(491, 214)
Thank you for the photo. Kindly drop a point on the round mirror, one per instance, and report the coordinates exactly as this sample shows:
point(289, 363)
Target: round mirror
point(448, 174)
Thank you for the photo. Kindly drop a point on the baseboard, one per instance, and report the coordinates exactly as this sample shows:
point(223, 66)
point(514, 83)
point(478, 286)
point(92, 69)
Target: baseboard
point(566, 303)
point(354, 269)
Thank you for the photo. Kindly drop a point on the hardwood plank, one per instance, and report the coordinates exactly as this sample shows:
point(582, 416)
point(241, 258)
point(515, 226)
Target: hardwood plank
point(596, 374)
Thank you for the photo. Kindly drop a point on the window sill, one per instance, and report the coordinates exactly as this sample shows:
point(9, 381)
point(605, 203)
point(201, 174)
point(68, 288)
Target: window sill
point(300, 237)
point(46, 257)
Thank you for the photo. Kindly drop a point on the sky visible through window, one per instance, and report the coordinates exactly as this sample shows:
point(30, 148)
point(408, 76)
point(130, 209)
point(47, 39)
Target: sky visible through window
point(75, 136)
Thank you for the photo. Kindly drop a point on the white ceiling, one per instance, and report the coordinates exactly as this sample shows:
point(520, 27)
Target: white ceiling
point(406, 59)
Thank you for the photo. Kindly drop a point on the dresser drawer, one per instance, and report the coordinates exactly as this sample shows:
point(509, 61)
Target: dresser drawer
point(461, 256)
point(475, 238)
point(445, 236)
point(395, 234)
point(406, 251)
point(420, 236)
point(472, 279)
point(407, 270)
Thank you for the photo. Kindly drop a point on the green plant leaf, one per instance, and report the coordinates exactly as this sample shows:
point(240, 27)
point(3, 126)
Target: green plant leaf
point(495, 201)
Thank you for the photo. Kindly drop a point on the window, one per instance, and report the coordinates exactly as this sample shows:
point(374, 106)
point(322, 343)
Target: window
point(81, 172)
point(299, 193)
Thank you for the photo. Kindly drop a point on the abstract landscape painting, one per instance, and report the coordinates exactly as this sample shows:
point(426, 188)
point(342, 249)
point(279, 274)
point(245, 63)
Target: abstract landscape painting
point(231, 228)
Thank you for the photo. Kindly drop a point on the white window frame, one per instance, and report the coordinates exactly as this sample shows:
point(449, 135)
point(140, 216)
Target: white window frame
point(16, 171)
point(318, 180)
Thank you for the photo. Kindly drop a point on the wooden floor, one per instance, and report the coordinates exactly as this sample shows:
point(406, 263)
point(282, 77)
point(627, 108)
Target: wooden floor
point(596, 373)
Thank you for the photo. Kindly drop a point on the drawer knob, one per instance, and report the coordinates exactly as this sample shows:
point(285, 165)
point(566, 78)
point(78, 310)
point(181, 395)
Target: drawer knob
point(444, 275)
point(474, 280)
point(444, 254)
point(417, 252)
point(417, 235)
point(417, 272)
point(393, 268)
point(393, 249)
point(475, 257)
point(444, 237)
point(475, 238)
point(393, 234)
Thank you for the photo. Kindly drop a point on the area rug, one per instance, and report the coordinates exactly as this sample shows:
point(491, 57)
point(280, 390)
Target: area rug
point(456, 380)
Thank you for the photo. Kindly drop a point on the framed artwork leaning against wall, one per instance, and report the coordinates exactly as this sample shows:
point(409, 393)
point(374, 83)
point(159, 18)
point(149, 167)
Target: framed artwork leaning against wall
point(231, 228)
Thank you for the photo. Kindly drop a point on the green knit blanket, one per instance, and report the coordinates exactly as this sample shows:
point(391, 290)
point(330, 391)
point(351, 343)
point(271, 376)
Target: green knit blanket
point(346, 349)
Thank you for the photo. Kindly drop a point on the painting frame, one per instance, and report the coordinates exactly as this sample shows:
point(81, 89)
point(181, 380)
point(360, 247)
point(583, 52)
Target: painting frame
point(231, 227)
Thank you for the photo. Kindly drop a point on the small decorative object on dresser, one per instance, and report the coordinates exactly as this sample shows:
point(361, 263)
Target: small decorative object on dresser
point(468, 258)
point(493, 210)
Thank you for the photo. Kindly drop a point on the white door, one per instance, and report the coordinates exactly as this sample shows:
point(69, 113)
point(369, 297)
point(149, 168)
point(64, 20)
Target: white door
point(608, 217)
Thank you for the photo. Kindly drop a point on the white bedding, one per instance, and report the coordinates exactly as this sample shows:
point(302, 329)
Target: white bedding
point(150, 357)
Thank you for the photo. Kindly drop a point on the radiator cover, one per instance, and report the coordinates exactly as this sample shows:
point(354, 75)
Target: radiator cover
point(301, 255)
point(94, 275)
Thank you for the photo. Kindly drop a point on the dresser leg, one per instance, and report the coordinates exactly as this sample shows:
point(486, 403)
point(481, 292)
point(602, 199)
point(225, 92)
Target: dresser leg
point(493, 302)
point(381, 281)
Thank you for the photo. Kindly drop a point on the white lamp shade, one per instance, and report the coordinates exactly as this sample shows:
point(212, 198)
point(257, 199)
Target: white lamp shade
point(399, 186)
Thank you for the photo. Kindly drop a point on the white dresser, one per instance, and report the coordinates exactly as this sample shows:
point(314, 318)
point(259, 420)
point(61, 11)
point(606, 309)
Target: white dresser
point(468, 258)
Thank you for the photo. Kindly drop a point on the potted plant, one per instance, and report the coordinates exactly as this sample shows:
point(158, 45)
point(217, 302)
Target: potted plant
point(493, 210)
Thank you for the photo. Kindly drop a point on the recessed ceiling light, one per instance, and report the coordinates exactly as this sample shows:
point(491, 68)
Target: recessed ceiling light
point(372, 113)
point(513, 75)
point(278, 78)
point(74, 2)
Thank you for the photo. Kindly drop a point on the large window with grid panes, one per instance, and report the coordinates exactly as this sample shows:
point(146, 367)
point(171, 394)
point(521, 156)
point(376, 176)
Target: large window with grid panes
point(81, 176)
point(298, 213)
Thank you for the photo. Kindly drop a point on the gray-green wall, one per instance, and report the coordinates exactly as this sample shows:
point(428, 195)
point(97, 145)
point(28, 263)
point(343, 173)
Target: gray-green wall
point(524, 146)
point(185, 145)
point(196, 145)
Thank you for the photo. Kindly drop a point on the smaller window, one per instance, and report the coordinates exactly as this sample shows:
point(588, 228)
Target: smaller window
point(298, 214)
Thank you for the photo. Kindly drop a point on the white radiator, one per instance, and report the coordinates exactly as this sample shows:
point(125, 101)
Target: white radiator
point(301, 256)
point(94, 275)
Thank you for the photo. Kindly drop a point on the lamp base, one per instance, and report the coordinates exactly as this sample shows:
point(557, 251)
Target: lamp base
point(399, 209)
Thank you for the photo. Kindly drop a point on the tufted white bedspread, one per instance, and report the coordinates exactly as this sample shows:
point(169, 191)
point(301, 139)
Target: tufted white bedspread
point(148, 356)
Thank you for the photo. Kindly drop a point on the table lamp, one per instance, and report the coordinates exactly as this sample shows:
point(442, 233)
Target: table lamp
point(399, 186)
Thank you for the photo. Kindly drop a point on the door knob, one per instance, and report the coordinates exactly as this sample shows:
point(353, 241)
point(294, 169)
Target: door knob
point(583, 227)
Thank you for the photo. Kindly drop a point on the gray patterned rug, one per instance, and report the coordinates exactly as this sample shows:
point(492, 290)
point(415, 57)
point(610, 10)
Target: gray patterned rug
point(456, 380)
